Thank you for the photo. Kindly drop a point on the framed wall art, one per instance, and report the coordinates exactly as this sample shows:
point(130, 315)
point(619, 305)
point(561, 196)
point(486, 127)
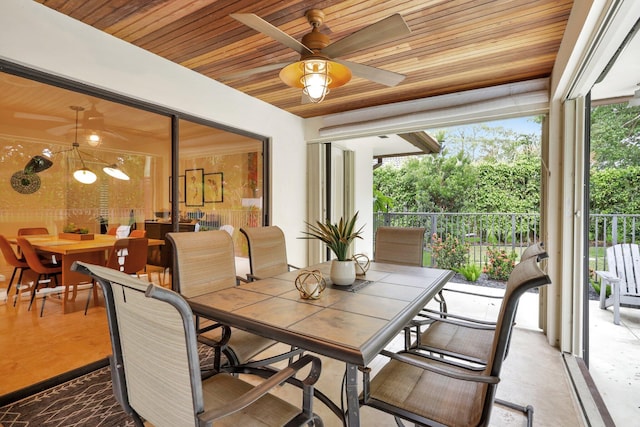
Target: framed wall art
point(213, 187)
point(180, 189)
point(194, 181)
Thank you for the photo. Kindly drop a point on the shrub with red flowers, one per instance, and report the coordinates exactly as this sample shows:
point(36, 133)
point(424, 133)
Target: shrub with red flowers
point(499, 264)
point(450, 253)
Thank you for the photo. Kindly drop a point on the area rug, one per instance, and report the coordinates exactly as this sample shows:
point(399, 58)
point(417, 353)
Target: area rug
point(86, 401)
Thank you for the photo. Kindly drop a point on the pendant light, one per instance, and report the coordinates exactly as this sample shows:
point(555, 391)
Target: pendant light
point(84, 174)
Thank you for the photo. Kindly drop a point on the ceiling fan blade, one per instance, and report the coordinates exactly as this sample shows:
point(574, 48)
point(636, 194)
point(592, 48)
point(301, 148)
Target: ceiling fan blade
point(43, 117)
point(61, 130)
point(262, 26)
point(382, 31)
point(384, 77)
point(252, 71)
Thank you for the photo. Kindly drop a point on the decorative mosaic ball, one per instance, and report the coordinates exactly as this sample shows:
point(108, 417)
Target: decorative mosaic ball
point(362, 264)
point(310, 284)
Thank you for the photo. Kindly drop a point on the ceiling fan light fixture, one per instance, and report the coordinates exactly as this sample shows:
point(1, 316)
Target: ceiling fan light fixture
point(315, 75)
point(94, 139)
point(84, 176)
point(115, 172)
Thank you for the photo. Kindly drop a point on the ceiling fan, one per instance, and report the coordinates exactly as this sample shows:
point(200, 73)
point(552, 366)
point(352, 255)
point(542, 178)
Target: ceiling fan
point(319, 68)
point(92, 122)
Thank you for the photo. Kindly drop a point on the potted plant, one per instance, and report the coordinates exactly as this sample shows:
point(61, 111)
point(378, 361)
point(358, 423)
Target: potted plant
point(338, 237)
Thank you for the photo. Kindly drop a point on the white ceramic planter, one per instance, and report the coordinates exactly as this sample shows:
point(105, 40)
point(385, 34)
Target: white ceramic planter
point(343, 273)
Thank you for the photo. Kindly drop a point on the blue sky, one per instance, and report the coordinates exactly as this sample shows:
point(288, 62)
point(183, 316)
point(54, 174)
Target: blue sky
point(523, 125)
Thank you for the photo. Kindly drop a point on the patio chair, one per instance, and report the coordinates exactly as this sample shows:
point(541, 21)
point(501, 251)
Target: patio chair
point(128, 255)
point(533, 250)
point(464, 338)
point(46, 273)
point(18, 264)
point(428, 391)
point(267, 252)
point(205, 262)
point(623, 276)
point(400, 245)
point(155, 367)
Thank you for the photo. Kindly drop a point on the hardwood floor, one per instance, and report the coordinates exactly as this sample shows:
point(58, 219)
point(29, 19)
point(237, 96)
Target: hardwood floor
point(37, 348)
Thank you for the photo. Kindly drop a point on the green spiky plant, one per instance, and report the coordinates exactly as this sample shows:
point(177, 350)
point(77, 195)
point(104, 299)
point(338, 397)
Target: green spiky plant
point(338, 237)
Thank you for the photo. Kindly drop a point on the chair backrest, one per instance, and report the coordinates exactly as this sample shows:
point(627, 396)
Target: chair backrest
point(267, 251)
point(202, 262)
point(30, 231)
point(9, 254)
point(400, 245)
point(526, 275)
point(228, 228)
point(623, 261)
point(534, 250)
point(138, 233)
point(128, 255)
point(32, 258)
point(113, 230)
point(155, 366)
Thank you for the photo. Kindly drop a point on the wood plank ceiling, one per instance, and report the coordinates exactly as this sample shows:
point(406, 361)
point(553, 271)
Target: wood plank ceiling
point(454, 45)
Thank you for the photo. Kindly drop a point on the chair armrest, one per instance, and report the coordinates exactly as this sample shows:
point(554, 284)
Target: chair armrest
point(402, 357)
point(264, 387)
point(478, 294)
point(439, 316)
point(608, 277)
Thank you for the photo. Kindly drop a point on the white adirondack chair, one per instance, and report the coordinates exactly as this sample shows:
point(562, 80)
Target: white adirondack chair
point(623, 275)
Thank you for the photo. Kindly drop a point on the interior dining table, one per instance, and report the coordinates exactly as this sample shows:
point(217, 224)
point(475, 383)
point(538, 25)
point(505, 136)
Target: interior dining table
point(347, 323)
point(67, 251)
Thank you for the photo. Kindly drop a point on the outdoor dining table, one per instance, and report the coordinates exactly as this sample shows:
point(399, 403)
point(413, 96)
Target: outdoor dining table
point(347, 323)
point(67, 251)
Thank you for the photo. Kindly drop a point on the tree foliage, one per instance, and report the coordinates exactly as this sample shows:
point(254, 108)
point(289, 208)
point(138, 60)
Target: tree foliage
point(615, 190)
point(615, 136)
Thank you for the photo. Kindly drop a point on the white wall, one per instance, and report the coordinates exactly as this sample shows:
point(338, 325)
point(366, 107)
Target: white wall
point(40, 38)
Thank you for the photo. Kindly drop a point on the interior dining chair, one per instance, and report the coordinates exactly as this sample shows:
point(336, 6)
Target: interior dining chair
point(46, 273)
point(34, 231)
point(427, 391)
point(155, 367)
point(18, 264)
point(138, 233)
point(267, 252)
point(127, 255)
point(400, 245)
point(112, 230)
point(205, 262)
point(30, 231)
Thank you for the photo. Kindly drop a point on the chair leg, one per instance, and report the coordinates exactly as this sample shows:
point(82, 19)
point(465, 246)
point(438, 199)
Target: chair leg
point(527, 410)
point(13, 275)
point(44, 300)
point(33, 291)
